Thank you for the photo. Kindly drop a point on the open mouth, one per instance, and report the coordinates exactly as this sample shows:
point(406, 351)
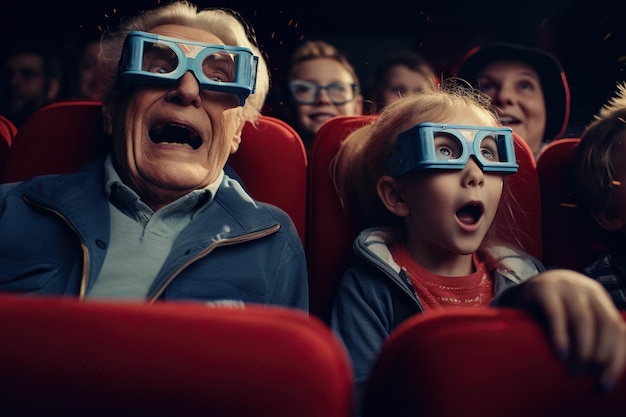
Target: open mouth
point(470, 214)
point(509, 120)
point(175, 134)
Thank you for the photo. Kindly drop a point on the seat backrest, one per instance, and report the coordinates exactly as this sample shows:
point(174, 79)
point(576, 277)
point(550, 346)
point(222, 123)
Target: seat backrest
point(9, 127)
point(7, 132)
point(524, 186)
point(57, 138)
point(480, 362)
point(330, 230)
point(569, 236)
point(272, 163)
point(63, 136)
point(71, 358)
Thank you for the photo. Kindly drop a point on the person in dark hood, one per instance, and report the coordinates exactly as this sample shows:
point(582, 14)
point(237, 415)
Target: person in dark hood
point(528, 86)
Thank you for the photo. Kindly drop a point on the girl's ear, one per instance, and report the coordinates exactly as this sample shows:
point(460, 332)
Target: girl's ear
point(607, 220)
point(391, 195)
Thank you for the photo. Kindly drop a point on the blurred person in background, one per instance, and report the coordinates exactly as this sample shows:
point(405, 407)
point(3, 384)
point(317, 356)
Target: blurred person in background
point(528, 86)
point(401, 73)
point(321, 84)
point(32, 76)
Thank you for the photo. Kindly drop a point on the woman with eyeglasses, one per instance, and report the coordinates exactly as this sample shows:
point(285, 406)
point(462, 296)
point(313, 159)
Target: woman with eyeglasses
point(322, 84)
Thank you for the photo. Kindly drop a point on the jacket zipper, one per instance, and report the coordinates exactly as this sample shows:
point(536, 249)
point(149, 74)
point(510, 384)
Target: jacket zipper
point(224, 242)
point(405, 285)
point(83, 245)
point(157, 293)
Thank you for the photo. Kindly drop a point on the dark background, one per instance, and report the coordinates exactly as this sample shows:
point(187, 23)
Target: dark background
point(589, 37)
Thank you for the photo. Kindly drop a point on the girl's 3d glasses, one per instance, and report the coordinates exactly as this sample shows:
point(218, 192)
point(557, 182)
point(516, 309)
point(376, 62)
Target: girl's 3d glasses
point(444, 146)
point(153, 59)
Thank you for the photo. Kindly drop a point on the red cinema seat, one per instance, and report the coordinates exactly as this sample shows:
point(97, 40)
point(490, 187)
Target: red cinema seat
point(487, 362)
point(330, 230)
point(570, 238)
point(62, 357)
point(526, 192)
point(7, 132)
point(58, 138)
point(272, 163)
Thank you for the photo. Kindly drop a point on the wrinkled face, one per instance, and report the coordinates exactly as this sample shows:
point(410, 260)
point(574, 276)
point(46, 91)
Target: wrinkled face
point(515, 89)
point(323, 72)
point(450, 211)
point(27, 84)
point(402, 81)
point(171, 140)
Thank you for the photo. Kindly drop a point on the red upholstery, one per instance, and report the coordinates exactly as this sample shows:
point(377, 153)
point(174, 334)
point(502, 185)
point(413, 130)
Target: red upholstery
point(7, 132)
point(524, 186)
point(71, 358)
point(272, 163)
point(63, 136)
point(8, 127)
point(58, 138)
point(330, 231)
point(569, 236)
point(480, 362)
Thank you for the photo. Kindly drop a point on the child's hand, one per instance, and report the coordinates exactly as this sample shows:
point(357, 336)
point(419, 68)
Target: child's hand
point(583, 323)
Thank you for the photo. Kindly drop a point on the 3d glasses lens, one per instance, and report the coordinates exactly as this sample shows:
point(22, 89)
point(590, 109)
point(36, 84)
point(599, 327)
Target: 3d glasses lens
point(443, 146)
point(153, 59)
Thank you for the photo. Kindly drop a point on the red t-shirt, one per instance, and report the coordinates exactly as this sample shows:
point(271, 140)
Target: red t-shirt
point(436, 291)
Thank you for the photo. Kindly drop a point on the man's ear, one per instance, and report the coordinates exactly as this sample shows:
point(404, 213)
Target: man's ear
point(607, 220)
point(234, 146)
point(391, 195)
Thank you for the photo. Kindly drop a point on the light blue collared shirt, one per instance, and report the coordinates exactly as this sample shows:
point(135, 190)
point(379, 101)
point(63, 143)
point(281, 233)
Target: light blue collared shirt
point(141, 239)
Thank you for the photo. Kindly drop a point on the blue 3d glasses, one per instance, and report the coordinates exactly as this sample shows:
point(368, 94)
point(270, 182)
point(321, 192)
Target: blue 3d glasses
point(443, 146)
point(150, 59)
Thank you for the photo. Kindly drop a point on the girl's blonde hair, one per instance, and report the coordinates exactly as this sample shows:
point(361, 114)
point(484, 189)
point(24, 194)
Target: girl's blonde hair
point(226, 24)
point(361, 159)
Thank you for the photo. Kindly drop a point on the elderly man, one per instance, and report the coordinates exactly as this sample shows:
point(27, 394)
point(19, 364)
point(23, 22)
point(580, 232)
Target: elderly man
point(158, 219)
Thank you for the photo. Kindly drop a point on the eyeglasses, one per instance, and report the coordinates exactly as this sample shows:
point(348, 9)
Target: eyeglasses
point(444, 146)
point(153, 59)
point(306, 92)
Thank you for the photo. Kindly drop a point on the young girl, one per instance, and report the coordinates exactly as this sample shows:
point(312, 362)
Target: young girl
point(429, 175)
